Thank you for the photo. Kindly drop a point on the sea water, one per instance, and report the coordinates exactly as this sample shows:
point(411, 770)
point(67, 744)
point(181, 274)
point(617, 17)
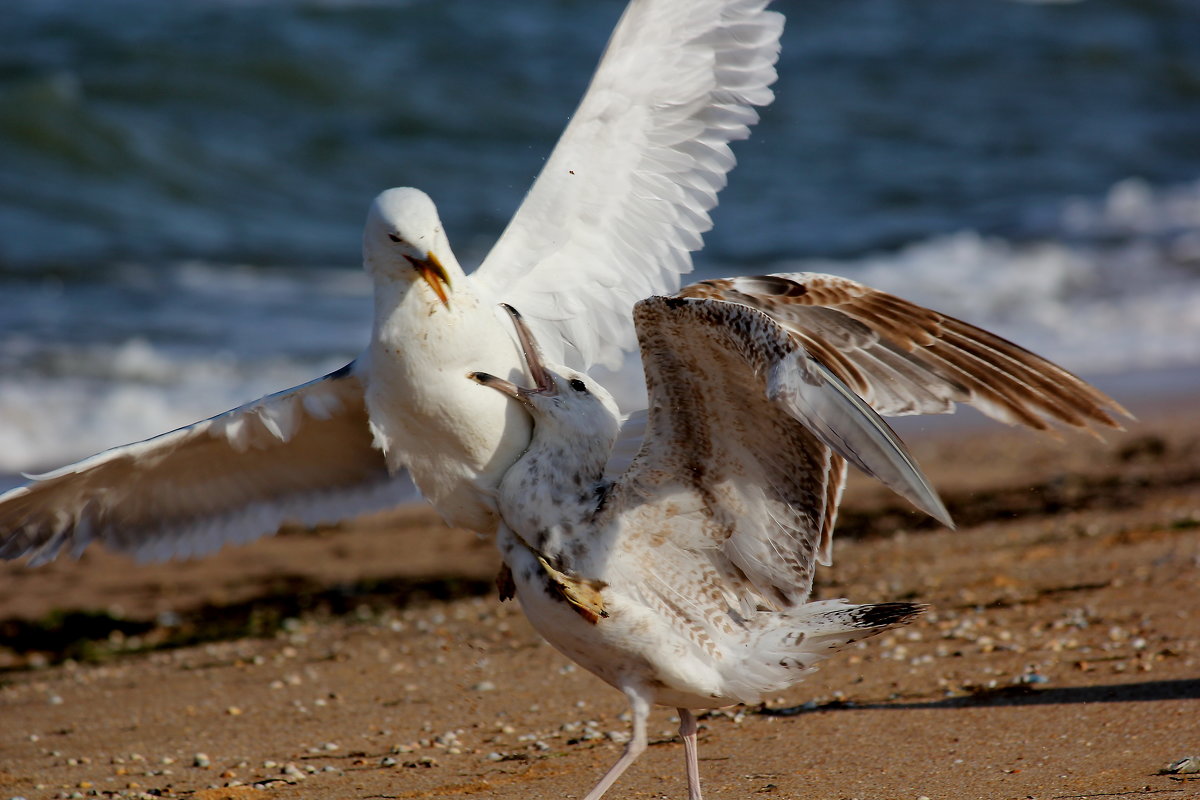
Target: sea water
point(183, 184)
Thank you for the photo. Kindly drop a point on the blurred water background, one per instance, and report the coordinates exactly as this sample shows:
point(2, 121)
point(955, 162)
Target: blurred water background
point(183, 183)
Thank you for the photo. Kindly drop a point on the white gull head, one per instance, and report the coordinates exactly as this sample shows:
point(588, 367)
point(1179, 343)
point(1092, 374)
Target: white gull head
point(404, 240)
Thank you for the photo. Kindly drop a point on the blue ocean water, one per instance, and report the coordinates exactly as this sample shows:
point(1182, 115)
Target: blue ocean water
point(182, 184)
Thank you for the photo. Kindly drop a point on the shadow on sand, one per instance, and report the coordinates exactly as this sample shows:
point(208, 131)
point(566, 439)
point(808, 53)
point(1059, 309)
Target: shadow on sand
point(1022, 695)
point(94, 636)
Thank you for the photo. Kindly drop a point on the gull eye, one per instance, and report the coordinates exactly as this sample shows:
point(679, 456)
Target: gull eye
point(577, 385)
point(395, 238)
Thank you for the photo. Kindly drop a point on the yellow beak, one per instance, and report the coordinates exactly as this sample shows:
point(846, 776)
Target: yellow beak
point(434, 274)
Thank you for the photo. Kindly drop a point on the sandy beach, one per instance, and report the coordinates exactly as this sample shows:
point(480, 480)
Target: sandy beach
point(373, 660)
point(184, 201)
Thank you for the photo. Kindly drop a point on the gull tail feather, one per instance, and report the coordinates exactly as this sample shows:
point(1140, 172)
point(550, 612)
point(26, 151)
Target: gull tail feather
point(843, 420)
point(791, 643)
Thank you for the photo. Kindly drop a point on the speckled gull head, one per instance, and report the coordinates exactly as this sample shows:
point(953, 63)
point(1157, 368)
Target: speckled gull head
point(404, 240)
point(564, 403)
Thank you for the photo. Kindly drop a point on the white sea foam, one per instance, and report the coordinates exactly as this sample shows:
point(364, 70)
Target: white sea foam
point(206, 338)
point(51, 421)
point(1113, 286)
point(1107, 285)
point(1133, 207)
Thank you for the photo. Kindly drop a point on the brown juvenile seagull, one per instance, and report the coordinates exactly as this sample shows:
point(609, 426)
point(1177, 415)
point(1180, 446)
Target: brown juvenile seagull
point(685, 580)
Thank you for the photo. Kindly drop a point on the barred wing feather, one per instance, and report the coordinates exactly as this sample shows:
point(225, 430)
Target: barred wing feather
point(902, 358)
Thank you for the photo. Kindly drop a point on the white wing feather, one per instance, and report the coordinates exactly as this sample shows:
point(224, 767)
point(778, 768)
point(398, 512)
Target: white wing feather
point(625, 196)
point(303, 455)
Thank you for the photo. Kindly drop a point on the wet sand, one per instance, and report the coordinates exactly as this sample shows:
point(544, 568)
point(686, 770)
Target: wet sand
point(1060, 659)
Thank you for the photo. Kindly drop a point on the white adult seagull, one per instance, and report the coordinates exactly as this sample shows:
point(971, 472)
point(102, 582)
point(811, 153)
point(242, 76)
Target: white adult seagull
point(611, 218)
point(684, 581)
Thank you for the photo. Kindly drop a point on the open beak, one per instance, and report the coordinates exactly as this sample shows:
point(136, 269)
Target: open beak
point(543, 384)
point(434, 274)
point(533, 354)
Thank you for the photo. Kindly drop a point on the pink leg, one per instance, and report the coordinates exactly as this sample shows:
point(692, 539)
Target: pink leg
point(640, 708)
point(687, 729)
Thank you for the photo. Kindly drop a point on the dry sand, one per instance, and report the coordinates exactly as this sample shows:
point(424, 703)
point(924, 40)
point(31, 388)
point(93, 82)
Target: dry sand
point(1060, 659)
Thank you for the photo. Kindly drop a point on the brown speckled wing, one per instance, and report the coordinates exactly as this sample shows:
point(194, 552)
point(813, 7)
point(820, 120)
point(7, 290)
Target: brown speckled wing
point(725, 472)
point(906, 359)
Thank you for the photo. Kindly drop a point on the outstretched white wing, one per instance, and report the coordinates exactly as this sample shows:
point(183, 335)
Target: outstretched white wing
point(744, 445)
point(302, 455)
point(906, 359)
point(624, 197)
